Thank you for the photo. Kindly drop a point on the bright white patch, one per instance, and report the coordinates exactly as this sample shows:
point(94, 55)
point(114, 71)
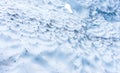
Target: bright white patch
point(68, 7)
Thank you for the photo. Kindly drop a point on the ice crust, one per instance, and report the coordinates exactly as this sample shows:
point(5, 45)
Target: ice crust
point(43, 36)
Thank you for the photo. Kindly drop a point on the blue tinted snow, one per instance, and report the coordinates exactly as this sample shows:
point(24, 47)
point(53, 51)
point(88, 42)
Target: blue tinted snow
point(43, 36)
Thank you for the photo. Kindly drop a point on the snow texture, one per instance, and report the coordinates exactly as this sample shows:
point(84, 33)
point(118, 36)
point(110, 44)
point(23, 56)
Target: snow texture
point(59, 36)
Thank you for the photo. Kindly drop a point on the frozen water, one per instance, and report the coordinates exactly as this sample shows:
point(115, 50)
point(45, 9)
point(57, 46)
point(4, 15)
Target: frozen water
point(59, 36)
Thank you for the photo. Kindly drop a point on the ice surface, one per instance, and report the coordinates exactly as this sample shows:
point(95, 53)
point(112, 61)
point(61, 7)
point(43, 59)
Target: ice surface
point(59, 36)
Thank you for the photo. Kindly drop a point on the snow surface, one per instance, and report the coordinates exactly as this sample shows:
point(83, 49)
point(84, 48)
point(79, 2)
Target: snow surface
point(59, 36)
